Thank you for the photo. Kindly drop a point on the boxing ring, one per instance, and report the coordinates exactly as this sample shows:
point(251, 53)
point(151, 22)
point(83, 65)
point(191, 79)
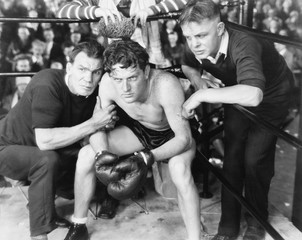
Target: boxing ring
point(208, 134)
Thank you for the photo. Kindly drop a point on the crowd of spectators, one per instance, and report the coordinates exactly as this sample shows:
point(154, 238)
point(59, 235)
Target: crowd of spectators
point(282, 17)
point(44, 45)
point(28, 47)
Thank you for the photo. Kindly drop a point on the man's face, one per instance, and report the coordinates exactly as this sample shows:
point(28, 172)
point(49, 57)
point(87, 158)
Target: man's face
point(203, 37)
point(68, 50)
point(45, 25)
point(130, 83)
point(23, 33)
point(21, 83)
point(37, 50)
point(171, 24)
point(48, 35)
point(7, 4)
point(173, 37)
point(75, 38)
point(23, 65)
point(84, 74)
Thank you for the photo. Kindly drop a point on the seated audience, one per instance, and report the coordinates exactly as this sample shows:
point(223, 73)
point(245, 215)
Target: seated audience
point(22, 63)
point(11, 100)
point(173, 50)
point(21, 44)
point(38, 59)
point(67, 48)
point(53, 49)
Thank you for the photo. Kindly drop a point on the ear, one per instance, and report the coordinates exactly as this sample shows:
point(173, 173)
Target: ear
point(68, 67)
point(220, 28)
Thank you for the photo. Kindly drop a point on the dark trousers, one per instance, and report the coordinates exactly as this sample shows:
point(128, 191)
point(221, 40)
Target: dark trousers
point(41, 169)
point(248, 164)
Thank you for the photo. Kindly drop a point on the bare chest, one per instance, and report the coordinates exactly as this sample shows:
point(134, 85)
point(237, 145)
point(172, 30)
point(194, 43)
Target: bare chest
point(151, 116)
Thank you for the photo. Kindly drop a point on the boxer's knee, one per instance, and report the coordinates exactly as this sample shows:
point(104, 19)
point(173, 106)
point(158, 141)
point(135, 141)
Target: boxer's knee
point(180, 172)
point(85, 162)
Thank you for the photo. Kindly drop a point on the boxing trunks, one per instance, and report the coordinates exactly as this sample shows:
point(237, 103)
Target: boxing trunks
point(149, 138)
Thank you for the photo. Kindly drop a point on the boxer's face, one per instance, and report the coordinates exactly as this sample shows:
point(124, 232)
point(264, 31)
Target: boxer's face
point(84, 74)
point(130, 83)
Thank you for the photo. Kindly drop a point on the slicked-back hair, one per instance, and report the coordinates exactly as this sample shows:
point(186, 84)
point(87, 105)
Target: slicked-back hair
point(92, 49)
point(198, 10)
point(127, 53)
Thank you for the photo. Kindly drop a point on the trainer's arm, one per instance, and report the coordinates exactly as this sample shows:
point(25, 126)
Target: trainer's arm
point(54, 138)
point(194, 76)
point(164, 6)
point(81, 9)
point(245, 95)
point(172, 105)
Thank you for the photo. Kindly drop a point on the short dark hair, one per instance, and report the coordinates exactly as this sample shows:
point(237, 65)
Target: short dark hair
point(92, 48)
point(198, 10)
point(23, 56)
point(125, 52)
point(20, 57)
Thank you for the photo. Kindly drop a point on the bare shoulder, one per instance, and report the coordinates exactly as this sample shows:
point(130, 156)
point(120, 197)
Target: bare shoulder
point(105, 86)
point(105, 83)
point(166, 83)
point(105, 80)
point(163, 79)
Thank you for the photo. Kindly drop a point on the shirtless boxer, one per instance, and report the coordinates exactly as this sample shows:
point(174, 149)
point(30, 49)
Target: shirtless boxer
point(151, 124)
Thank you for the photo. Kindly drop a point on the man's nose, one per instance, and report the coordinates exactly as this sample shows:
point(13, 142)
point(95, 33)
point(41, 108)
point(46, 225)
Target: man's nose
point(195, 42)
point(126, 86)
point(88, 76)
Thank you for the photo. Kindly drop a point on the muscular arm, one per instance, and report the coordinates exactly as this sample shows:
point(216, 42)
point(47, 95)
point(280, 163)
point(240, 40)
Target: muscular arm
point(81, 9)
point(54, 138)
point(194, 77)
point(244, 95)
point(77, 9)
point(168, 6)
point(162, 7)
point(98, 140)
point(172, 105)
point(241, 94)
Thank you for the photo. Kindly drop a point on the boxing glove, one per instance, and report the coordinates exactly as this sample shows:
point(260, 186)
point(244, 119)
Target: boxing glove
point(133, 174)
point(146, 156)
point(104, 167)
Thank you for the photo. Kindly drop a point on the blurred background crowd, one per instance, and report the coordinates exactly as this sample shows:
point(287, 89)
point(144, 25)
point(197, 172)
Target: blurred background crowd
point(35, 46)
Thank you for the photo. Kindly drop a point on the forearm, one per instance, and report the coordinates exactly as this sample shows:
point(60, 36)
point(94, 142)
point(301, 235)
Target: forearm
point(168, 6)
point(194, 76)
point(244, 95)
point(77, 10)
point(190, 72)
point(173, 147)
point(54, 138)
point(99, 141)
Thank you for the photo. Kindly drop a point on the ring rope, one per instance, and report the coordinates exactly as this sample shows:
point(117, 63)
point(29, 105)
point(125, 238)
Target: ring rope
point(171, 15)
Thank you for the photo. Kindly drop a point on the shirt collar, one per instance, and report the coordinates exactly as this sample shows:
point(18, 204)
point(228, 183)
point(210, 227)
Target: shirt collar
point(223, 49)
point(67, 80)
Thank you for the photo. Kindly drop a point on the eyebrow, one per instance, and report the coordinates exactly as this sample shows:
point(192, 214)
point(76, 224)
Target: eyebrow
point(94, 70)
point(97, 69)
point(197, 33)
point(132, 75)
